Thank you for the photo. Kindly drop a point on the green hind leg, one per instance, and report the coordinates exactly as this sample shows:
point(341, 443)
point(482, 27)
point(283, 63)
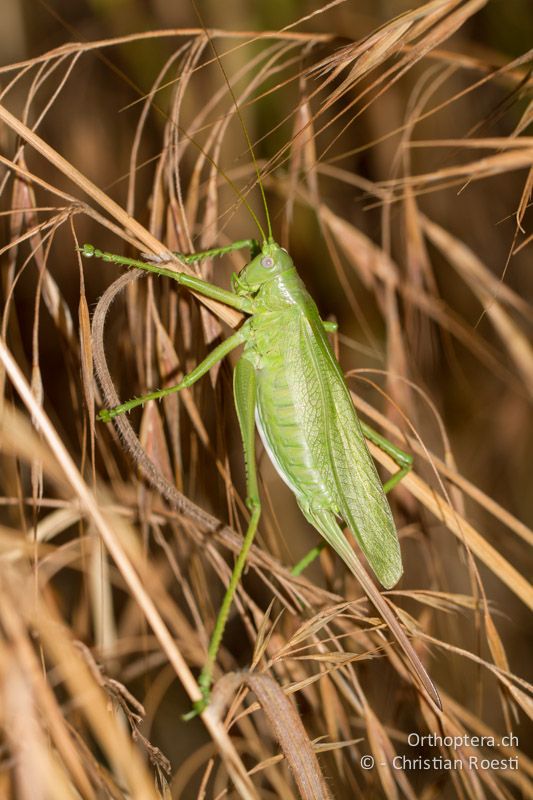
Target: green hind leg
point(403, 460)
point(244, 388)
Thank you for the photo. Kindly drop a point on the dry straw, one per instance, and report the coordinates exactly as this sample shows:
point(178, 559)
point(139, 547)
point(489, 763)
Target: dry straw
point(398, 170)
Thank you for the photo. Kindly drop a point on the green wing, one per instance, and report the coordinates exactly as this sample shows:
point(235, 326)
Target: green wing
point(352, 476)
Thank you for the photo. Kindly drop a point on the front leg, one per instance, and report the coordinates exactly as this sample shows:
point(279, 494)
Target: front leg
point(190, 281)
point(214, 252)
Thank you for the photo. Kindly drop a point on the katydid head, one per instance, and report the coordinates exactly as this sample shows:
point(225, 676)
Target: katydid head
point(268, 264)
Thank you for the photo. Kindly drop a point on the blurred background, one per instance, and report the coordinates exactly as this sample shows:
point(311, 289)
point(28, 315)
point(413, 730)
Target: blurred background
point(428, 277)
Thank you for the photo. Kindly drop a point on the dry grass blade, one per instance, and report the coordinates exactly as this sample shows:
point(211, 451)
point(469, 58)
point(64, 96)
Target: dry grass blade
point(464, 532)
point(486, 167)
point(80, 683)
point(115, 547)
point(287, 727)
point(481, 282)
point(131, 226)
point(123, 537)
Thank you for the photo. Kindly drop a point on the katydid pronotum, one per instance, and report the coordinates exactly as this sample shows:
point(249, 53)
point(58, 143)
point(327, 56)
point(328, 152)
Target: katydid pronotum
point(289, 384)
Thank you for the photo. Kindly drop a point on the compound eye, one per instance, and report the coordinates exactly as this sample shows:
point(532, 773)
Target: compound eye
point(267, 262)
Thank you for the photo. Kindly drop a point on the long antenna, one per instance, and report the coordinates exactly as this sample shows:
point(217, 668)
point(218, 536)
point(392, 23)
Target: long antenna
point(243, 126)
point(122, 75)
point(229, 181)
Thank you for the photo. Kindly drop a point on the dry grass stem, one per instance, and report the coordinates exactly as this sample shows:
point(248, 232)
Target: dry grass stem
point(394, 146)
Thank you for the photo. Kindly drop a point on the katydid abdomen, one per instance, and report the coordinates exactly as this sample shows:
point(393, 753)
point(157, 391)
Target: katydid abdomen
point(308, 424)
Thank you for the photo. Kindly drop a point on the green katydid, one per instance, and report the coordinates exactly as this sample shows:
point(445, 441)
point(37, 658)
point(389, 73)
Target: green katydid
point(289, 384)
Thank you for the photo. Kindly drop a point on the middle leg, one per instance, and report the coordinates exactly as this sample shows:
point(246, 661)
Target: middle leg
point(216, 355)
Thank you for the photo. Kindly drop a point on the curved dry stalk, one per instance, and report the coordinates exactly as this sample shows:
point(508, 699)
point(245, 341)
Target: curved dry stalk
point(121, 556)
point(401, 132)
point(144, 237)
